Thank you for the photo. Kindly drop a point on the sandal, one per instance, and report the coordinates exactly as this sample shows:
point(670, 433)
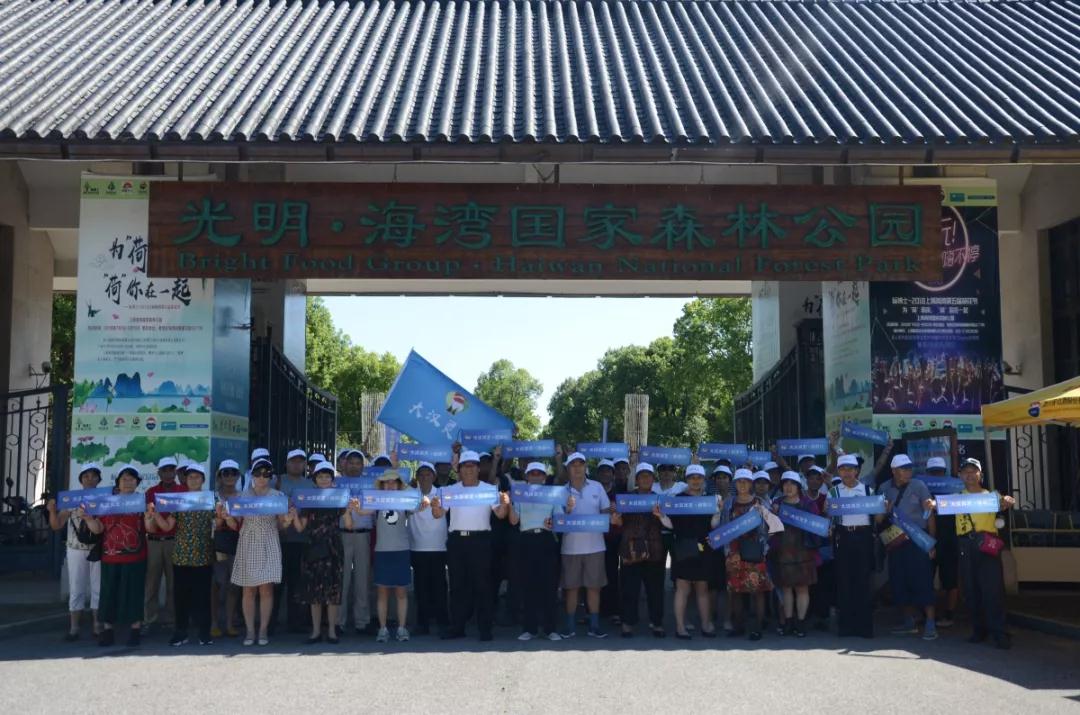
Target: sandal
point(659, 633)
point(249, 640)
point(263, 640)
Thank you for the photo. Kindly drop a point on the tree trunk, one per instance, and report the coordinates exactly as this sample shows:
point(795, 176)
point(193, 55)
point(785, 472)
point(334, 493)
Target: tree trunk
point(635, 425)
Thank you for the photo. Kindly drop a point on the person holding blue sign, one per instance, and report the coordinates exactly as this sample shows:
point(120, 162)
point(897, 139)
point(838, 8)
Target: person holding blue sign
point(160, 549)
point(257, 567)
point(911, 575)
point(123, 564)
point(853, 549)
point(763, 487)
point(947, 550)
point(641, 550)
point(583, 552)
point(224, 595)
point(793, 555)
point(427, 540)
point(191, 557)
point(296, 476)
point(745, 562)
point(83, 556)
point(323, 556)
point(609, 594)
point(537, 560)
point(356, 564)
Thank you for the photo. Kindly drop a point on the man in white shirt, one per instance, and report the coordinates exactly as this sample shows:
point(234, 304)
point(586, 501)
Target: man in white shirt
point(427, 540)
point(853, 546)
point(356, 561)
point(468, 548)
point(583, 553)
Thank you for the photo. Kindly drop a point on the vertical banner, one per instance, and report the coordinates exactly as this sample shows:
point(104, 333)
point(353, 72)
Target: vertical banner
point(845, 315)
point(231, 383)
point(937, 346)
point(143, 345)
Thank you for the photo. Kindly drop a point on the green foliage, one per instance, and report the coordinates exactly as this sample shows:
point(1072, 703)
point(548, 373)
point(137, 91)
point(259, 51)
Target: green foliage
point(80, 392)
point(89, 452)
point(62, 353)
point(513, 392)
point(148, 450)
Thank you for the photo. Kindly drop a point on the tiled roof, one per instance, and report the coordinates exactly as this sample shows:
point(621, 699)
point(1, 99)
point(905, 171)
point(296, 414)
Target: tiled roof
point(672, 72)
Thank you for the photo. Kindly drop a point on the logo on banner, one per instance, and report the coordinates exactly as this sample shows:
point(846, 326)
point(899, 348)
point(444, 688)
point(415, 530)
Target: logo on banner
point(1034, 409)
point(151, 423)
point(456, 403)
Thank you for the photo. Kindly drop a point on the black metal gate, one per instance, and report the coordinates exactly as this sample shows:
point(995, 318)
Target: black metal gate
point(286, 410)
point(33, 465)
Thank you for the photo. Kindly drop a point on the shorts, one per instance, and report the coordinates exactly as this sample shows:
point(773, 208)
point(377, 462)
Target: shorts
point(911, 576)
point(583, 571)
point(393, 568)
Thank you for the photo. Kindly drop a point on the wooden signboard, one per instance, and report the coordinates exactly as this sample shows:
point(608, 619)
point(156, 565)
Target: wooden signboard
point(587, 232)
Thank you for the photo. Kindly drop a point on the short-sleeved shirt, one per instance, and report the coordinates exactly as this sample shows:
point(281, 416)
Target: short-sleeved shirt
point(124, 540)
point(426, 533)
point(592, 499)
point(469, 518)
point(966, 523)
point(842, 491)
point(911, 506)
point(164, 489)
point(392, 536)
point(194, 538)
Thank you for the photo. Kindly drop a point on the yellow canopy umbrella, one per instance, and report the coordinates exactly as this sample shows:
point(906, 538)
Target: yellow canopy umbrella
point(1055, 404)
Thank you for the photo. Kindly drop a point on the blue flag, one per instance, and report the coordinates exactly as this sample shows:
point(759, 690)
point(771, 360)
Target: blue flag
point(987, 503)
point(839, 506)
point(333, 498)
point(919, 537)
point(393, 438)
point(68, 500)
point(184, 501)
point(804, 520)
point(759, 459)
point(433, 453)
point(604, 450)
point(391, 500)
point(538, 494)
point(726, 533)
point(854, 430)
point(683, 505)
point(800, 445)
point(110, 504)
point(534, 448)
point(665, 455)
point(577, 524)
point(635, 503)
point(480, 495)
point(941, 485)
point(252, 505)
point(431, 408)
point(735, 453)
point(483, 440)
point(355, 485)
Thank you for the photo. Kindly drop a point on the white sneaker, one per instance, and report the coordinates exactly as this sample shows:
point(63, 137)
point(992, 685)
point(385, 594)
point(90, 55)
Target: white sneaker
point(553, 636)
point(525, 636)
point(383, 636)
point(402, 633)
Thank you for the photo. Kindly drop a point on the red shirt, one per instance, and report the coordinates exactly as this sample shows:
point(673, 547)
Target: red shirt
point(160, 488)
point(124, 539)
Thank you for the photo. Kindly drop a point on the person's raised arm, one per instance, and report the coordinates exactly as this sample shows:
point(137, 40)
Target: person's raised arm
point(57, 520)
point(92, 522)
point(503, 506)
point(834, 445)
point(884, 458)
point(779, 459)
point(560, 469)
point(513, 516)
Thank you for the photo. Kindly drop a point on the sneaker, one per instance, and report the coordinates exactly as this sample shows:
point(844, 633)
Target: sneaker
point(930, 634)
point(525, 636)
point(596, 633)
point(106, 638)
point(402, 634)
point(905, 628)
point(177, 641)
point(946, 621)
point(135, 637)
point(206, 641)
point(383, 636)
point(567, 634)
point(553, 636)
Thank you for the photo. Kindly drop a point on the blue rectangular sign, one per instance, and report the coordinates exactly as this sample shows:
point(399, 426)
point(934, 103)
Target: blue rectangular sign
point(483, 440)
point(390, 500)
point(481, 495)
point(635, 503)
point(333, 498)
point(374, 471)
point(355, 485)
point(69, 500)
point(735, 453)
point(184, 501)
point(987, 503)
point(580, 523)
point(941, 485)
point(854, 430)
point(538, 494)
point(252, 505)
point(919, 537)
point(425, 452)
point(691, 506)
point(839, 506)
point(726, 533)
point(109, 504)
point(604, 450)
point(804, 520)
point(760, 459)
point(801, 445)
point(431, 408)
point(665, 455)
point(534, 448)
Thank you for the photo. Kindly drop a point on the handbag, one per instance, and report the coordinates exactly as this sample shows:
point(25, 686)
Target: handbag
point(990, 544)
point(226, 540)
point(893, 537)
point(637, 550)
point(97, 544)
point(751, 549)
point(685, 548)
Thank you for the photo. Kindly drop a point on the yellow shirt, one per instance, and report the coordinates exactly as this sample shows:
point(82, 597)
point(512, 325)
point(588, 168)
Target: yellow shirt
point(966, 523)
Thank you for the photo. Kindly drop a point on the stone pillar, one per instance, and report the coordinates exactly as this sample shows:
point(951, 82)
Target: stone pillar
point(777, 307)
point(279, 310)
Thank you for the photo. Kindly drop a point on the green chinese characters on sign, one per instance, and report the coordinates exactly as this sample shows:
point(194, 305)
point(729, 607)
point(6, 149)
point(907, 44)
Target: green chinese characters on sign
point(206, 215)
point(605, 226)
point(275, 220)
point(398, 225)
point(679, 227)
point(467, 225)
point(895, 225)
point(827, 226)
point(537, 226)
point(758, 226)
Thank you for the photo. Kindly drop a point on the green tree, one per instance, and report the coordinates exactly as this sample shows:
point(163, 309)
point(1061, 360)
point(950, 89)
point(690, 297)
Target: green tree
point(326, 347)
point(513, 392)
point(62, 353)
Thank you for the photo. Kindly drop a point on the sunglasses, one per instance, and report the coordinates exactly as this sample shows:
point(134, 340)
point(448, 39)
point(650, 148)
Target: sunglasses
point(262, 474)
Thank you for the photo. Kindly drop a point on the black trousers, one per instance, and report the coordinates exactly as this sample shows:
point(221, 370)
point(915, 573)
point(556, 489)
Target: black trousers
point(191, 596)
point(854, 564)
point(609, 595)
point(537, 576)
point(297, 615)
point(984, 587)
point(429, 588)
point(649, 574)
point(469, 560)
point(823, 593)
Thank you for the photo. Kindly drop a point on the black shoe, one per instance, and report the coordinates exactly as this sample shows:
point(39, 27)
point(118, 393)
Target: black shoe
point(452, 635)
point(370, 629)
point(977, 637)
point(106, 638)
point(659, 633)
point(313, 640)
point(708, 634)
point(177, 640)
point(754, 635)
point(69, 636)
point(627, 634)
point(682, 636)
point(333, 640)
point(798, 630)
point(134, 638)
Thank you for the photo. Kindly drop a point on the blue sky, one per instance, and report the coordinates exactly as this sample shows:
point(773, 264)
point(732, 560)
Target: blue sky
point(552, 338)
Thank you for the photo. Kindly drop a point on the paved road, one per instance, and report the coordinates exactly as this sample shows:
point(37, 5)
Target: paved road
point(821, 673)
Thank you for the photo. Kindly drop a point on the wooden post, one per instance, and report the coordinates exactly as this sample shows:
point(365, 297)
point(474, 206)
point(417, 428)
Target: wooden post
point(373, 433)
point(635, 426)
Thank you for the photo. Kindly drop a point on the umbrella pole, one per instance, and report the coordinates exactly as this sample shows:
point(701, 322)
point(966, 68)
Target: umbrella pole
point(989, 459)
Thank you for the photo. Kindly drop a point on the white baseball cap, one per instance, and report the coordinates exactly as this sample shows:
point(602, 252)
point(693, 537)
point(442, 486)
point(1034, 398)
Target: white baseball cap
point(425, 465)
point(386, 458)
point(762, 475)
point(259, 452)
point(817, 469)
point(644, 467)
point(936, 463)
point(195, 467)
point(166, 462)
point(317, 457)
point(606, 463)
point(228, 464)
point(90, 467)
point(536, 467)
point(743, 474)
point(695, 470)
point(790, 476)
point(804, 456)
point(323, 466)
point(622, 460)
point(294, 453)
point(900, 461)
point(847, 460)
point(469, 456)
point(721, 469)
point(769, 466)
point(575, 456)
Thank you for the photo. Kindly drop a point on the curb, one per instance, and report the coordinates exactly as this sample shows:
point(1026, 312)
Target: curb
point(41, 624)
point(1044, 625)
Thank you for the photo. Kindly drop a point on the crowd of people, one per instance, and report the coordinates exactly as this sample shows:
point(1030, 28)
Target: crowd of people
point(317, 569)
point(943, 384)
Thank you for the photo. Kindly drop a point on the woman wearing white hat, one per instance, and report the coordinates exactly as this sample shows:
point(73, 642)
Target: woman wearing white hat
point(223, 594)
point(642, 553)
point(793, 557)
point(537, 556)
point(84, 574)
point(745, 563)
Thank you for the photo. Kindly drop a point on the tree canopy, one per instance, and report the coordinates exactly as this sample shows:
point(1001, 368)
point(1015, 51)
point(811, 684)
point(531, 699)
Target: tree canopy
point(513, 392)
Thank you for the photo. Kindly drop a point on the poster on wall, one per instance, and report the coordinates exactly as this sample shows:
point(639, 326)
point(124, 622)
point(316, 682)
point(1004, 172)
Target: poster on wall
point(143, 346)
point(845, 314)
point(936, 347)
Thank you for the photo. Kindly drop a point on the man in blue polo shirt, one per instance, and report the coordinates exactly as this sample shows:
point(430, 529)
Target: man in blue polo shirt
point(583, 553)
